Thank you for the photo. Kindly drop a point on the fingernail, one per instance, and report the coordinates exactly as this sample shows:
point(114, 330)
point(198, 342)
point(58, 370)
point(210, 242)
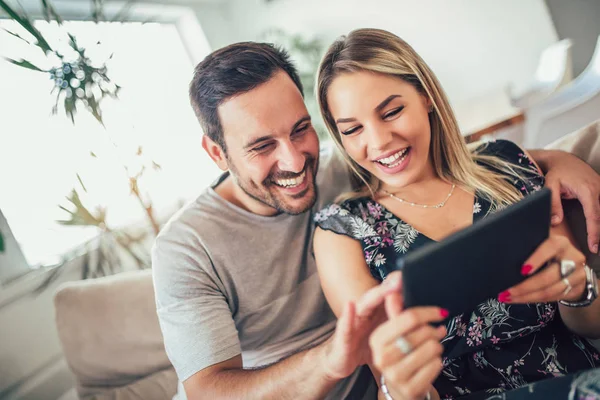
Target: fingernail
point(444, 313)
point(504, 297)
point(526, 269)
point(595, 249)
point(555, 219)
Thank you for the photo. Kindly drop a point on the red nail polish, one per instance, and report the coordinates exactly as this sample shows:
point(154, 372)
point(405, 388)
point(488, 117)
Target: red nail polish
point(504, 297)
point(444, 313)
point(526, 269)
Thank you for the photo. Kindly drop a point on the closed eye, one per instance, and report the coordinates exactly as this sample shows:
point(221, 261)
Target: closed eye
point(351, 130)
point(393, 112)
point(301, 129)
point(263, 147)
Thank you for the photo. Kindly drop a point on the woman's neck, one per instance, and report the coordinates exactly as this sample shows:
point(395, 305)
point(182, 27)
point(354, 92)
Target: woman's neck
point(429, 188)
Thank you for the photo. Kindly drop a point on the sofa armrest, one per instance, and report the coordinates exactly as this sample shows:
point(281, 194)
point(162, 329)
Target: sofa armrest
point(109, 330)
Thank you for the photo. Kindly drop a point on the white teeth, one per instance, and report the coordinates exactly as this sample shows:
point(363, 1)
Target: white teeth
point(401, 155)
point(291, 182)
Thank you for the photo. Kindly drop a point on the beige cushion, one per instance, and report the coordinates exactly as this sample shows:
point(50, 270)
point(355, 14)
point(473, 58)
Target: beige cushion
point(110, 333)
point(585, 144)
point(160, 385)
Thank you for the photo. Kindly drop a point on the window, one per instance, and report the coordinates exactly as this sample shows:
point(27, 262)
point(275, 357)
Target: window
point(40, 154)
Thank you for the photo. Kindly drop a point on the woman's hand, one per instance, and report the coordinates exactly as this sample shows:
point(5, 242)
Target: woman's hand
point(407, 349)
point(348, 347)
point(571, 178)
point(550, 284)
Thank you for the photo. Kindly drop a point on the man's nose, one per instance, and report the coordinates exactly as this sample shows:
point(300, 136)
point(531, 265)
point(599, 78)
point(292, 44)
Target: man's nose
point(290, 158)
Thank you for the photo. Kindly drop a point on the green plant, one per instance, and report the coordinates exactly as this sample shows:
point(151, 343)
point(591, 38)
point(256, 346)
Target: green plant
point(112, 247)
point(77, 81)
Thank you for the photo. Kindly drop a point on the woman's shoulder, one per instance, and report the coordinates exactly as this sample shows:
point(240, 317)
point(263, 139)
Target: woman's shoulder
point(515, 164)
point(343, 209)
point(505, 150)
point(344, 217)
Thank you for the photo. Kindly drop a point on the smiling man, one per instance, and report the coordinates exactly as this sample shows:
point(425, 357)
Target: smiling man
point(238, 296)
point(237, 291)
point(273, 159)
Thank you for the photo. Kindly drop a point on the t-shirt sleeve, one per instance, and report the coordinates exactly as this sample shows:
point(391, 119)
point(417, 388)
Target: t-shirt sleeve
point(339, 219)
point(333, 177)
point(526, 177)
point(194, 315)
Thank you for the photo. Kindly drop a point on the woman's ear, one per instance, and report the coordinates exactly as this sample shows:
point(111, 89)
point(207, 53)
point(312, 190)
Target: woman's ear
point(215, 152)
point(428, 104)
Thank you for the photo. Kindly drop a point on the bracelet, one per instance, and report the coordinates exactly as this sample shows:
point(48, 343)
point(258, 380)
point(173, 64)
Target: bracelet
point(386, 391)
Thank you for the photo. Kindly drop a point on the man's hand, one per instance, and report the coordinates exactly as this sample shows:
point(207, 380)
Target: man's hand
point(348, 348)
point(572, 178)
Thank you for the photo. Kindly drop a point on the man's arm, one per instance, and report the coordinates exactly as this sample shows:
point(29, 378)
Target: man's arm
point(571, 178)
point(305, 375)
point(202, 343)
point(301, 376)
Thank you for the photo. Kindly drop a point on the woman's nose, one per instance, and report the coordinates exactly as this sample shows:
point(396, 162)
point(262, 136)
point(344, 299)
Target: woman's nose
point(379, 137)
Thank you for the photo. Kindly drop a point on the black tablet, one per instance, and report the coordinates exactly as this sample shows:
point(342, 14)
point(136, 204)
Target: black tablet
point(478, 262)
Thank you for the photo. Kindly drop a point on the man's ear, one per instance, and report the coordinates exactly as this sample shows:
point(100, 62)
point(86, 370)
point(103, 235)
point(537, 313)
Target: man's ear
point(215, 152)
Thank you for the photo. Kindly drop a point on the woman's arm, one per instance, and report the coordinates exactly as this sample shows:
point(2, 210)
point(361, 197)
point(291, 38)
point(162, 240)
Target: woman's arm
point(342, 268)
point(344, 275)
point(570, 178)
point(584, 321)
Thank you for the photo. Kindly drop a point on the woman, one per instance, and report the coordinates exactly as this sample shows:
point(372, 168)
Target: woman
point(416, 182)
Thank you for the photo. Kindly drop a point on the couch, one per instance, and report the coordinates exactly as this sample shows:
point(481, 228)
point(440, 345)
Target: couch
point(109, 329)
point(111, 339)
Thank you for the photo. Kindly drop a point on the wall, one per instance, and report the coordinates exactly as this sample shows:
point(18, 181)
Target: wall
point(578, 20)
point(217, 24)
point(473, 46)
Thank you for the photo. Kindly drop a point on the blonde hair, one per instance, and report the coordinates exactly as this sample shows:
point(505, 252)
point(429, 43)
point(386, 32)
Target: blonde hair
point(382, 52)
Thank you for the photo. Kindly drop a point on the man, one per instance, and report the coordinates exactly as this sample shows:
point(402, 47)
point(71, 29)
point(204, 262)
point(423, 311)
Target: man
point(238, 296)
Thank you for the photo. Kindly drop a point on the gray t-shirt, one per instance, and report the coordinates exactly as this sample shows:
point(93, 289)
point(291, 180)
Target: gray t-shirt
point(230, 282)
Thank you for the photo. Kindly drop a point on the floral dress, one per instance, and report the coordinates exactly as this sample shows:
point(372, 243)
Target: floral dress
point(497, 347)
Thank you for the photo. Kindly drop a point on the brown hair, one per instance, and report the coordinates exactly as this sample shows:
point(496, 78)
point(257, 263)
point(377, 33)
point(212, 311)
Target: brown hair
point(230, 71)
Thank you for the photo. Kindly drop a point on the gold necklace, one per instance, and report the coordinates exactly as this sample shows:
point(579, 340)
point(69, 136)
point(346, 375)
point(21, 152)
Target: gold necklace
point(439, 205)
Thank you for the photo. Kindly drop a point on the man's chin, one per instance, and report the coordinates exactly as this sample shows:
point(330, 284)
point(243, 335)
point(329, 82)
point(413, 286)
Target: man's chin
point(298, 203)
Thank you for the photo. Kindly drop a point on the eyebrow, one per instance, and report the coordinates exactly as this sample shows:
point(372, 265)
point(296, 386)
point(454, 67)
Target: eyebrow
point(378, 108)
point(260, 139)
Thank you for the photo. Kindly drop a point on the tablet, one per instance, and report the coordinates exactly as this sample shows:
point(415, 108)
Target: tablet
point(478, 262)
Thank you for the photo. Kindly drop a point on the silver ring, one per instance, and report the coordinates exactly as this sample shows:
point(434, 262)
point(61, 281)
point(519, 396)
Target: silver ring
point(567, 267)
point(568, 286)
point(403, 345)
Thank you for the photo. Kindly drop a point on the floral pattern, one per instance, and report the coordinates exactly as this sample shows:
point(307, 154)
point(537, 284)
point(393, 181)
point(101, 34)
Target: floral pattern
point(497, 347)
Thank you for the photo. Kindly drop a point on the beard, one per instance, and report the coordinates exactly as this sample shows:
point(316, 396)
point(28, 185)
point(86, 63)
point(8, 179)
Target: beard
point(269, 193)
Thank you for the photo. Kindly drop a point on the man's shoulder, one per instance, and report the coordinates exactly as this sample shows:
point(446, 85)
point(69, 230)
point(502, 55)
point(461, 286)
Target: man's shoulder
point(191, 222)
point(333, 177)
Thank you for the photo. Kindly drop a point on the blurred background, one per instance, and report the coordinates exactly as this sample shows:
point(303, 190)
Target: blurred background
point(99, 145)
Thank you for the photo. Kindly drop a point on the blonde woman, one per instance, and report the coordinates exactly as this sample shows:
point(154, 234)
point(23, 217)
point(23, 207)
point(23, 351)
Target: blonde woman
point(417, 182)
